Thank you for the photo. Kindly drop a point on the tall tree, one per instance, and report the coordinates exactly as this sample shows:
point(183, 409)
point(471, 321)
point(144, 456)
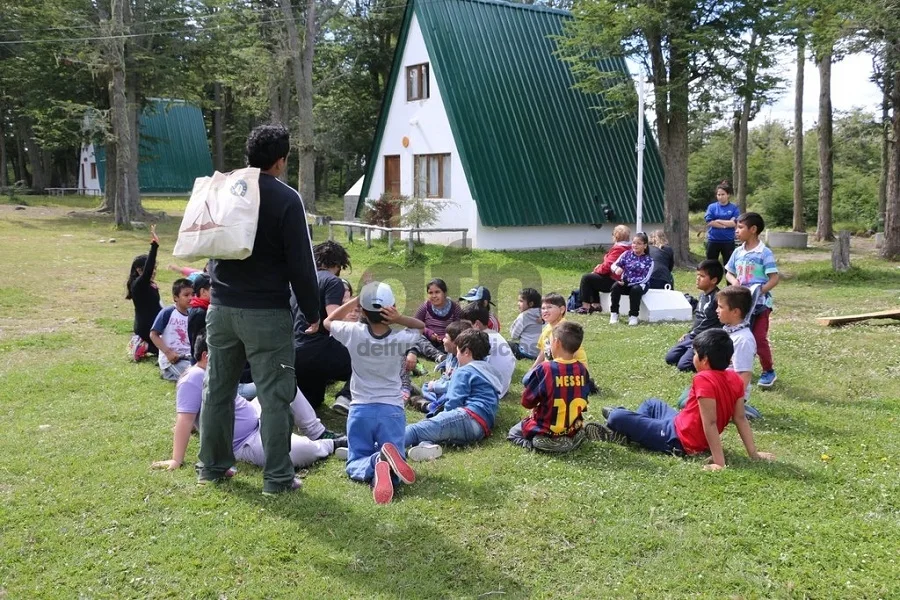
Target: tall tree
point(798, 224)
point(681, 45)
point(824, 230)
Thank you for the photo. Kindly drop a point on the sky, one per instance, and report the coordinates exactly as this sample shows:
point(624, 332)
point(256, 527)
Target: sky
point(850, 88)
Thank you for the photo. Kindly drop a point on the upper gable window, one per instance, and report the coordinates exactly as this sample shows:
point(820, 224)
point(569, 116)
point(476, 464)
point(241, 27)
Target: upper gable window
point(417, 82)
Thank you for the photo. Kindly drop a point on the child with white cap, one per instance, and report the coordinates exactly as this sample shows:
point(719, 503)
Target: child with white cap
point(377, 422)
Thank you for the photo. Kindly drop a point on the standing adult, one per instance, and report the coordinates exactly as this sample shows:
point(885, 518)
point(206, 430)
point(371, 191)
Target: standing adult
point(319, 358)
point(249, 319)
point(721, 221)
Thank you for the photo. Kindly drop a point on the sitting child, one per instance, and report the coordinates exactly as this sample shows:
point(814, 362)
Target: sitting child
point(501, 355)
point(716, 397)
point(376, 422)
point(634, 267)
point(197, 312)
point(734, 306)
point(473, 400)
point(709, 275)
point(481, 296)
point(434, 393)
point(247, 442)
point(143, 292)
point(557, 392)
point(526, 329)
point(553, 311)
point(170, 332)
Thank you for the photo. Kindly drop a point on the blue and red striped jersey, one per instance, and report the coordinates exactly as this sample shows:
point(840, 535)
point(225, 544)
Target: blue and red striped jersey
point(556, 392)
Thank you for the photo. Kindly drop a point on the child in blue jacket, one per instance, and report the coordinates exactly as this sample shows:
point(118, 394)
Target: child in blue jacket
point(473, 399)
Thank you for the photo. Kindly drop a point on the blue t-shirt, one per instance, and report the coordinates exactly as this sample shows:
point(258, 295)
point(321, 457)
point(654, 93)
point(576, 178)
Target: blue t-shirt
point(716, 212)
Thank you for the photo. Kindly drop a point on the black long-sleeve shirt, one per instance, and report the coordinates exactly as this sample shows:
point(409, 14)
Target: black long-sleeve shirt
point(282, 258)
point(145, 296)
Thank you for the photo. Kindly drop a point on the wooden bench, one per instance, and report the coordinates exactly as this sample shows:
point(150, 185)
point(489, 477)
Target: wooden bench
point(838, 321)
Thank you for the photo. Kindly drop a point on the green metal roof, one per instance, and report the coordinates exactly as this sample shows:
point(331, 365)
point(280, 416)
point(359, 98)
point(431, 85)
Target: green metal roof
point(531, 145)
point(173, 148)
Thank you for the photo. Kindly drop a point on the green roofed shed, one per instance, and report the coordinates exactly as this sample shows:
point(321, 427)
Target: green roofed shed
point(174, 149)
point(530, 148)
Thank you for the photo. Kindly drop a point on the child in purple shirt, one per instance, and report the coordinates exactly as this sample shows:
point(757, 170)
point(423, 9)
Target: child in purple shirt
point(634, 267)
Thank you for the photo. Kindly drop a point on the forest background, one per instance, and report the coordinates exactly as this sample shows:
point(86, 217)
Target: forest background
point(321, 67)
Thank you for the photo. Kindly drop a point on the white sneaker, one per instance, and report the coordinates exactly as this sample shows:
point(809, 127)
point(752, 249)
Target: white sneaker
point(613, 318)
point(341, 453)
point(424, 451)
point(341, 405)
point(633, 321)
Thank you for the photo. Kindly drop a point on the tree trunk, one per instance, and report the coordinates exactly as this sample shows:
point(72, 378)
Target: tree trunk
point(735, 148)
point(218, 118)
point(840, 254)
point(108, 205)
point(885, 147)
point(4, 161)
point(798, 224)
point(21, 171)
point(302, 65)
point(35, 157)
point(121, 121)
point(741, 176)
point(672, 131)
point(891, 247)
point(824, 229)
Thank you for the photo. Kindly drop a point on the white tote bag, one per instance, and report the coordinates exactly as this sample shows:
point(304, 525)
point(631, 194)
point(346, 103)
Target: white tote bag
point(221, 216)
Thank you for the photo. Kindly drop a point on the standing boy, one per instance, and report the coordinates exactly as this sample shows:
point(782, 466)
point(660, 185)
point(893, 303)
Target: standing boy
point(709, 275)
point(170, 332)
point(753, 263)
point(715, 398)
point(556, 392)
point(473, 400)
point(376, 422)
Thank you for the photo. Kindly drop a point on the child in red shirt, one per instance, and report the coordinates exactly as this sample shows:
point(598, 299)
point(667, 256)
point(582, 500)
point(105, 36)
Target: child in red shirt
point(715, 398)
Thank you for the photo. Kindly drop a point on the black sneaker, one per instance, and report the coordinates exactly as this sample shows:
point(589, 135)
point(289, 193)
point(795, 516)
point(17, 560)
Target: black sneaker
point(331, 435)
point(418, 403)
point(601, 433)
point(339, 442)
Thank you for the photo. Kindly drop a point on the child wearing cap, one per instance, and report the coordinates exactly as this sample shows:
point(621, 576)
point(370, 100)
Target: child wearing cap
point(376, 423)
point(482, 297)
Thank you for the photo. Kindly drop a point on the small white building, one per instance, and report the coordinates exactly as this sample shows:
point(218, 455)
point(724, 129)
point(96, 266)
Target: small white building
point(480, 115)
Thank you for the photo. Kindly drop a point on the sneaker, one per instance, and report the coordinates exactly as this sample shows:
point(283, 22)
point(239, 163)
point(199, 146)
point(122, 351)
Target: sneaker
point(295, 485)
point(399, 466)
point(424, 451)
point(601, 433)
point(613, 318)
point(382, 486)
point(767, 379)
point(632, 321)
point(420, 370)
point(556, 444)
point(341, 453)
point(340, 442)
point(418, 403)
point(204, 480)
point(331, 435)
point(341, 405)
point(751, 412)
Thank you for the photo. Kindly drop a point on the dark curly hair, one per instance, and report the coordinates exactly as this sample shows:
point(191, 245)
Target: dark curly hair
point(331, 254)
point(267, 144)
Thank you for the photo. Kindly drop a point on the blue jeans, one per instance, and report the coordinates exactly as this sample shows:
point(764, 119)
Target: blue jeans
point(681, 355)
point(652, 426)
point(369, 427)
point(450, 427)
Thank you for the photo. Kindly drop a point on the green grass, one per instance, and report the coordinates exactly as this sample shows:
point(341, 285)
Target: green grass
point(82, 515)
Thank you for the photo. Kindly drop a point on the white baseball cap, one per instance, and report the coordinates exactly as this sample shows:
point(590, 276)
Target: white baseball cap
point(376, 295)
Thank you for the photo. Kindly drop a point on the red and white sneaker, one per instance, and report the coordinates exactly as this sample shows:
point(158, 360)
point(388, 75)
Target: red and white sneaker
point(398, 464)
point(382, 486)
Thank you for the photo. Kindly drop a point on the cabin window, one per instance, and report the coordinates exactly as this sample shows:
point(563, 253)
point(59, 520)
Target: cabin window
point(432, 175)
point(417, 82)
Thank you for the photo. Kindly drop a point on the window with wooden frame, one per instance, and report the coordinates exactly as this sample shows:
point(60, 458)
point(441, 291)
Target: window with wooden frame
point(417, 82)
point(432, 175)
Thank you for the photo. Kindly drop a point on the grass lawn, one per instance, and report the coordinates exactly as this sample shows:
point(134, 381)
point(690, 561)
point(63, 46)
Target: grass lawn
point(82, 515)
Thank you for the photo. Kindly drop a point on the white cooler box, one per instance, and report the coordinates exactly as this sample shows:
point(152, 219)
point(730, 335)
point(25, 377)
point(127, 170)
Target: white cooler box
point(656, 306)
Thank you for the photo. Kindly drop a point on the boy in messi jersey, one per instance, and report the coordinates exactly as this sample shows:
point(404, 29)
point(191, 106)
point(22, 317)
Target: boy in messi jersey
point(556, 391)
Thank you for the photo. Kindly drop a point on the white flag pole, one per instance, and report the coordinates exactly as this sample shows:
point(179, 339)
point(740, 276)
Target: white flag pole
point(639, 148)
